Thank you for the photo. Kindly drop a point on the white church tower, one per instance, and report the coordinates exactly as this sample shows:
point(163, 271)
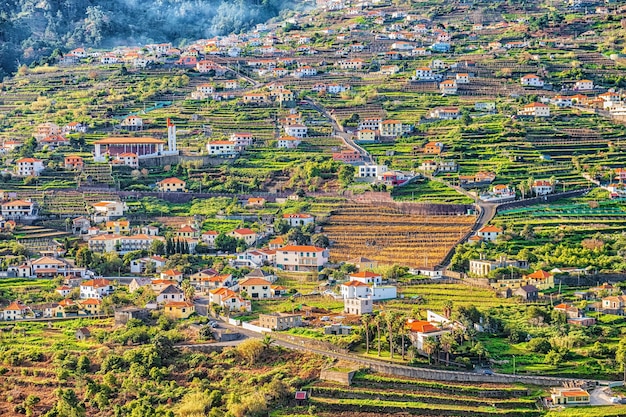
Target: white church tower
point(171, 138)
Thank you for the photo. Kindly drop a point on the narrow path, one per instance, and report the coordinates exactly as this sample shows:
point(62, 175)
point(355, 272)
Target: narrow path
point(339, 132)
point(416, 372)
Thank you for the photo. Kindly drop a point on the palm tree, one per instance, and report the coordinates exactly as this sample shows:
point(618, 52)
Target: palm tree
point(447, 343)
point(188, 290)
point(403, 330)
point(429, 346)
point(479, 349)
point(267, 340)
point(447, 308)
point(530, 183)
point(377, 320)
point(366, 319)
point(522, 189)
point(390, 319)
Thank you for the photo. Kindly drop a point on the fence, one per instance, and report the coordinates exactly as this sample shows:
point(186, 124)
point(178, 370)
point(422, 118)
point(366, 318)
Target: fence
point(252, 327)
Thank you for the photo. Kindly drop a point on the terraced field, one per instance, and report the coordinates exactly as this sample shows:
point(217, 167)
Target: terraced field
point(389, 236)
point(375, 394)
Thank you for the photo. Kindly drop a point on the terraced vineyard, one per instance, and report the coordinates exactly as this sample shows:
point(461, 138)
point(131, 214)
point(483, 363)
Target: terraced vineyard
point(389, 235)
point(375, 394)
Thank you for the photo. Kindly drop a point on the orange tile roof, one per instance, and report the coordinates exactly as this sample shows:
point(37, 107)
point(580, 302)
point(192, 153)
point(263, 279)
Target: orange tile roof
point(179, 304)
point(490, 229)
point(364, 274)
point(96, 283)
point(244, 231)
point(354, 284)
point(301, 248)
point(90, 301)
point(421, 326)
point(172, 180)
point(540, 274)
point(254, 281)
point(16, 306)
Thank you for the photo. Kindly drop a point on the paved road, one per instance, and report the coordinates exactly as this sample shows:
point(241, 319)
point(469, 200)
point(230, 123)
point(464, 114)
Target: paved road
point(346, 137)
point(599, 397)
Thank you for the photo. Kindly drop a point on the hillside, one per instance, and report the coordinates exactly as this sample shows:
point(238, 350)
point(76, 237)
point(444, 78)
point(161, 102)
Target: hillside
point(33, 30)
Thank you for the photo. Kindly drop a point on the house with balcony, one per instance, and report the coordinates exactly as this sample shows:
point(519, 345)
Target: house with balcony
point(301, 258)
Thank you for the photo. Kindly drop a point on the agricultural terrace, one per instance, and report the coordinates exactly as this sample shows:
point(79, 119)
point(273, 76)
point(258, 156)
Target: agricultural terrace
point(585, 232)
point(384, 395)
point(389, 235)
point(561, 149)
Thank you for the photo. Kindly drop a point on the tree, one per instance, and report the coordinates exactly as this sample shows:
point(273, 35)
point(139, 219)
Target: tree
point(377, 320)
point(447, 343)
point(346, 175)
point(366, 319)
point(267, 341)
point(479, 349)
point(157, 247)
point(84, 257)
point(320, 240)
point(188, 290)
point(225, 243)
point(447, 309)
point(429, 346)
point(83, 365)
point(250, 350)
point(390, 320)
point(620, 356)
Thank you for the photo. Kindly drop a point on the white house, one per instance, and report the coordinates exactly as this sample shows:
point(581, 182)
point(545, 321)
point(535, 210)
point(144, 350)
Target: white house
point(535, 109)
point(541, 187)
point(288, 142)
point(138, 266)
point(227, 298)
point(424, 73)
point(582, 85)
point(462, 78)
point(421, 330)
point(366, 277)
point(107, 210)
point(132, 123)
point(96, 288)
point(297, 130)
point(448, 87)
point(28, 167)
point(248, 235)
point(489, 233)
point(298, 219)
point(301, 258)
point(369, 171)
point(17, 209)
point(531, 80)
point(256, 288)
point(221, 148)
point(170, 293)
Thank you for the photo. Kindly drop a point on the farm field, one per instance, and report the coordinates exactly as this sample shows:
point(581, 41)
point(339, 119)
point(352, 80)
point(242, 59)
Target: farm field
point(389, 236)
point(376, 394)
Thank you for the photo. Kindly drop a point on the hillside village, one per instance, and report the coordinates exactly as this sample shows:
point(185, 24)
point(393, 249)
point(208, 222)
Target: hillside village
point(425, 184)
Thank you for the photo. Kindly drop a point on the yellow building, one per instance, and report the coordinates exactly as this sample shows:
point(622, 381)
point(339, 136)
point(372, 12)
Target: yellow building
point(118, 227)
point(179, 309)
point(91, 306)
point(172, 185)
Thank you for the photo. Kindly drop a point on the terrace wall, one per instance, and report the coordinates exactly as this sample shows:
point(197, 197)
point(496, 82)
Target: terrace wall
point(541, 200)
point(160, 161)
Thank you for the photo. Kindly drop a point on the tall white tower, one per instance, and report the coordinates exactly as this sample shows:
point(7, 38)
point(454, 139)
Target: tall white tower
point(171, 137)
